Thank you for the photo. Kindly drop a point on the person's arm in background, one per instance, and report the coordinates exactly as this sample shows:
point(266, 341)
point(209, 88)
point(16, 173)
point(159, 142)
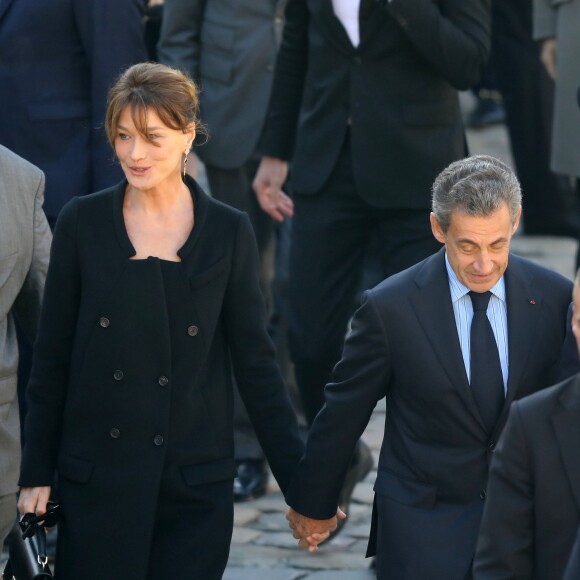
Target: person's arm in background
point(545, 31)
point(112, 33)
point(278, 137)
point(453, 35)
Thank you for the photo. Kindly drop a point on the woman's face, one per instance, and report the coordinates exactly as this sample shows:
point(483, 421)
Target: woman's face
point(150, 164)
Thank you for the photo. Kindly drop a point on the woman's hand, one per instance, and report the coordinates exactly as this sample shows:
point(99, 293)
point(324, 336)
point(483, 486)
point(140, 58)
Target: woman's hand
point(33, 500)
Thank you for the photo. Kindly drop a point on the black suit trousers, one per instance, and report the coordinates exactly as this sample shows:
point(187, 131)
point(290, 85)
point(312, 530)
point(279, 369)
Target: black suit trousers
point(331, 232)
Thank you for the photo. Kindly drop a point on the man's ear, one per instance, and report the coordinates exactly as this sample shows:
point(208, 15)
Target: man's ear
point(517, 221)
point(437, 229)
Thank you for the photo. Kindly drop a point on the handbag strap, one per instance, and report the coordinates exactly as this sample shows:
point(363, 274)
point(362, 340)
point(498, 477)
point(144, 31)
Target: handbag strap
point(40, 539)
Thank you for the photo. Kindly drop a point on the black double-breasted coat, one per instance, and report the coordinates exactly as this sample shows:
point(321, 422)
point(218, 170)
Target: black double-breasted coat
point(104, 409)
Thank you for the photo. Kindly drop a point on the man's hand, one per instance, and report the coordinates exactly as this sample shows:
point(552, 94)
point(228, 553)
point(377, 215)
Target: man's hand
point(32, 500)
point(549, 56)
point(268, 184)
point(311, 532)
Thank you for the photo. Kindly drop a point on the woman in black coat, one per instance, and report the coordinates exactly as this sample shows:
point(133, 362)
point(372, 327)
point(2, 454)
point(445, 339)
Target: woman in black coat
point(152, 300)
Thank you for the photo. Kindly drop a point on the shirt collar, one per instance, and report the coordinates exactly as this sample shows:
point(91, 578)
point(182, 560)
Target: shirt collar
point(459, 290)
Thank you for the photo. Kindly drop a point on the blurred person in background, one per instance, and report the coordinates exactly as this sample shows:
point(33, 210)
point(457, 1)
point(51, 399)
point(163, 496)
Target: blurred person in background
point(58, 59)
point(24, 250)
point(556, 25)
point(528, 98)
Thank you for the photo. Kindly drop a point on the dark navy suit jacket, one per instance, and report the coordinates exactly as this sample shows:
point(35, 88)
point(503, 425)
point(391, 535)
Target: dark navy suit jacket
point(58, 59)
point(432, 472)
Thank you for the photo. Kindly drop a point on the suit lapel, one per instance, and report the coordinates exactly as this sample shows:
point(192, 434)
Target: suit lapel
point(432, 303)
point(524, 305)
point(323, 11)
point(566, 425)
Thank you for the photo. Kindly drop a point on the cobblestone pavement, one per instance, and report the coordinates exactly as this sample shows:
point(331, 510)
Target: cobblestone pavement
point(263, 548)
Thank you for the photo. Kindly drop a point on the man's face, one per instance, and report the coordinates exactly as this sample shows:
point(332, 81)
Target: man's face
point(576, 316)
point(478, 247)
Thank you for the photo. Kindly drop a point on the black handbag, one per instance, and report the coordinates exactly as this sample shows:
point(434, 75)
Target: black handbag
point(27, 559)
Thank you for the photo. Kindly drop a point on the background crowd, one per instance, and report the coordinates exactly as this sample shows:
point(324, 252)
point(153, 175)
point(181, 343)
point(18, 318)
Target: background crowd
point(327, 124)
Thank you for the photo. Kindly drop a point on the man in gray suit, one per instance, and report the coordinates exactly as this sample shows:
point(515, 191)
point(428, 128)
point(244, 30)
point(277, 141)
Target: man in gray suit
point(229, 49)
point(24, 252)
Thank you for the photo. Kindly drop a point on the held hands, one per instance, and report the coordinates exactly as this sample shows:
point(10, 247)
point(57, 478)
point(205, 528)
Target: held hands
point(268, 183)
point(32, 500)
point(310, 532)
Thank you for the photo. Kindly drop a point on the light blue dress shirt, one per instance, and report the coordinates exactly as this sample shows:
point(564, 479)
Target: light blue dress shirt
point(496, 313)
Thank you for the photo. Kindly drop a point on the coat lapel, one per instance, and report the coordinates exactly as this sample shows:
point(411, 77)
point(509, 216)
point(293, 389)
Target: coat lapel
point(435, 313)
point(566, 424)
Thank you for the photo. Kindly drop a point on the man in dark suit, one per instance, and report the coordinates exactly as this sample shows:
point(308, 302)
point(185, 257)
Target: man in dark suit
point(531, 518)
point(417, 340)
point(364, 104)
point(229, 48)
point(58, 59)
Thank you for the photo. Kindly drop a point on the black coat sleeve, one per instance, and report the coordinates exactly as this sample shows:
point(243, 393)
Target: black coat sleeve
point(257, 374)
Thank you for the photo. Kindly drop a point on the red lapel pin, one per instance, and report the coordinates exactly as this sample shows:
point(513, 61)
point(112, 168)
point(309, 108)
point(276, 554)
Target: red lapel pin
point(532, 301)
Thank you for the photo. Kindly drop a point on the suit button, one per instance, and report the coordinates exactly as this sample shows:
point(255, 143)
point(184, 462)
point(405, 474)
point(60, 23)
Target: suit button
point(158, 440)
point(402, 22)
point(192, 330)
point(104, 322)
point(118, 375)
point(491, 447)
point(482, 494)
point(163, 381)
point(115, 433)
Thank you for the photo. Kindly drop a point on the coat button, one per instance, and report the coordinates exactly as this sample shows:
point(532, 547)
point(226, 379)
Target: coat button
point(192, 330)
point(491, 447)
point(482, 494)
point(115, 433)
point(118, 375)
point(163, 381)
point(104, 322)
point(158, 440)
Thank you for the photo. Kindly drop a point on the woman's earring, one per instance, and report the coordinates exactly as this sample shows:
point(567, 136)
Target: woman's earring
point(184, 164)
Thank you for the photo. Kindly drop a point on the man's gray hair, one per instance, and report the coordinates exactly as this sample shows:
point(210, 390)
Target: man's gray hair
point(476, 186)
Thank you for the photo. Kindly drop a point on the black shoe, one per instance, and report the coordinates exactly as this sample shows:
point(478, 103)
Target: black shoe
point(360, 466)
point(488, 111)
point(251, 480)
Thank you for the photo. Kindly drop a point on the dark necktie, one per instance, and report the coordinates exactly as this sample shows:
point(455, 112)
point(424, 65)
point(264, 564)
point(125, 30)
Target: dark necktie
point(486, 377)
